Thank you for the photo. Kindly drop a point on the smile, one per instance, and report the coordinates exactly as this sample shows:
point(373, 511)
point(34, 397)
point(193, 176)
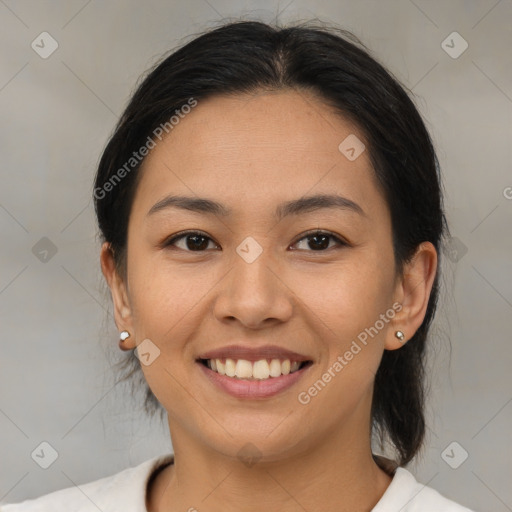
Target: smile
point(259, 379)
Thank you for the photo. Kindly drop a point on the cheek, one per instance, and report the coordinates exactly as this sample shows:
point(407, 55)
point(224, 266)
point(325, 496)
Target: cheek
point(345, 298)
point(346, 307)
point(168, 305)
point(167, 299)
point(347, 301)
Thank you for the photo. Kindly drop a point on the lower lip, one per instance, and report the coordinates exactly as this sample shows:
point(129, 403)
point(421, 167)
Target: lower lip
point(264, 388)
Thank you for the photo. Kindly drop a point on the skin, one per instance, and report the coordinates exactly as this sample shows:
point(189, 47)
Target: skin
point(251, 153)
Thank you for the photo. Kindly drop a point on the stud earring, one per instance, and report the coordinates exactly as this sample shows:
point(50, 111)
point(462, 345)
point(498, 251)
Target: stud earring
point(400, 335)
point(123, 336)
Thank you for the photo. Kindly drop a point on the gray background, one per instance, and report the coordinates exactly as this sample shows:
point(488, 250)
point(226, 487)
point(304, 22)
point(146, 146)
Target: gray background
point(58, 338)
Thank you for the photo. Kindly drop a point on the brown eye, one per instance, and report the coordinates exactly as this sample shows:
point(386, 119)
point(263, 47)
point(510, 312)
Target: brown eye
point(320, 241)
point(194, 241)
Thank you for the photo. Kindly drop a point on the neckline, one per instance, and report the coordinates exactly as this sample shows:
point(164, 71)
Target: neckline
point(161, 462)
point(389, 466)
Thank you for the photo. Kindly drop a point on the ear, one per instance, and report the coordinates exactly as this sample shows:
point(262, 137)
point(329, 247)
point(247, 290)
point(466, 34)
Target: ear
point(120, 298)
point(413, 293)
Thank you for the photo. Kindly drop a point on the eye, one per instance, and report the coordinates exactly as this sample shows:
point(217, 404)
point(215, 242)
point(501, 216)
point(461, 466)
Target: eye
point(320, 240)
point(196, 241)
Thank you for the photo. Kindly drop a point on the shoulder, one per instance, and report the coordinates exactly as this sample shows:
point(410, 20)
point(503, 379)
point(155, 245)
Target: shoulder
point(124, 491)
point(406, 494)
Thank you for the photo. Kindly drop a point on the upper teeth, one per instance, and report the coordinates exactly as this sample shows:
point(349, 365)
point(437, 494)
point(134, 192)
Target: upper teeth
point(261, 369)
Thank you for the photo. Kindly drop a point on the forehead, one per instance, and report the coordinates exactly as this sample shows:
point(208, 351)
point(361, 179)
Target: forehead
point(264, 147)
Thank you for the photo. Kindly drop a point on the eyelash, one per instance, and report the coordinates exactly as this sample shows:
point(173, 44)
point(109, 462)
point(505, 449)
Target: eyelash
point(341, 243)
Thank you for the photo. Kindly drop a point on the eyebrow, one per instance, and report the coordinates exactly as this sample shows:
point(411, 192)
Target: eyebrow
point(293, 207)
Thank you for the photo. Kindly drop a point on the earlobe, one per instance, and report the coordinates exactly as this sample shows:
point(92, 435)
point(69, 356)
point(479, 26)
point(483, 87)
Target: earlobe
point(120, 299)
point(123, 344)
point(413, 293)
point(399, 340)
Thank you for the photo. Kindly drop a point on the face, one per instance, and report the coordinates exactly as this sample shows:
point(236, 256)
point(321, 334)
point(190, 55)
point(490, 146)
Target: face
point(251, 281)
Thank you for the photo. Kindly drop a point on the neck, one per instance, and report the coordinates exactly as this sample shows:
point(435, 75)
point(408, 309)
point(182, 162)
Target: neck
point(338, 474)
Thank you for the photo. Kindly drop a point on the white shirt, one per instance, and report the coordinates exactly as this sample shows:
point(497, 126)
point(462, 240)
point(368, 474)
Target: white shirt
point(126, 492)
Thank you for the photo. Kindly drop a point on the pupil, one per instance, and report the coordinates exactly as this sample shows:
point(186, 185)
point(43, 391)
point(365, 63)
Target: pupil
point(195, 245)
point(323, 245)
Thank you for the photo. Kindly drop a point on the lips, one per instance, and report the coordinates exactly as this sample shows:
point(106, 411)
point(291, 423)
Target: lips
point(253, 372)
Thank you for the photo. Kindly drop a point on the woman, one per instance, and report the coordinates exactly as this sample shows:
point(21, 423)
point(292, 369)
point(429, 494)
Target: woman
point(271, 213)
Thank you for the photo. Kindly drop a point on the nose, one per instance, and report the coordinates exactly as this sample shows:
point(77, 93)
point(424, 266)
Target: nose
point(254, 294)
